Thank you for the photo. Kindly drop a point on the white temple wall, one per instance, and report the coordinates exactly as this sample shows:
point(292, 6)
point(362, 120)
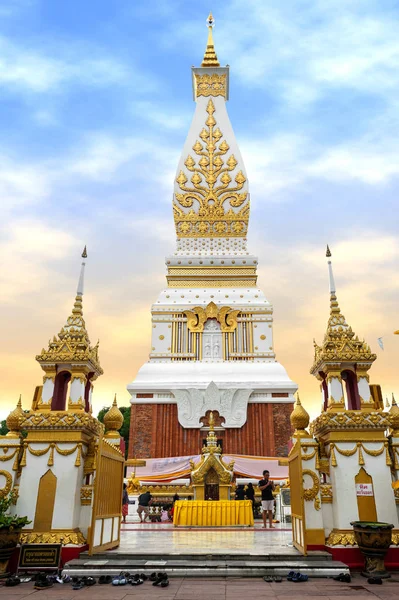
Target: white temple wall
point(345, 508)
point(69, 480)
point(364, 389)
point(328, 518)
point(47, 391)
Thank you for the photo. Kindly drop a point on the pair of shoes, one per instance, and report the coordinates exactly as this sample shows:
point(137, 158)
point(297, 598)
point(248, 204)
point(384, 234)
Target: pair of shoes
point(120, 579)
point(136, 580)
point(272, 579)
point(43, 584)
point(345, 577)
point(161, 579)
point(89, 581)
point(77, 584)
point(105, 579)
point(376, 580)
point(13, 580)
point(296, 577)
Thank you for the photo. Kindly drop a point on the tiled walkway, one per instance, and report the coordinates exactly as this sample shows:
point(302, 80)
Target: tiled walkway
point(216, 589)
point(171, 540)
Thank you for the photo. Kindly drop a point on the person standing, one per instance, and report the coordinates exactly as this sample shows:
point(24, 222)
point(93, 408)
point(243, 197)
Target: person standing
point(125, 503)
point(144, 503)
point(266, 486)
point(250, 494)
point(240, 493)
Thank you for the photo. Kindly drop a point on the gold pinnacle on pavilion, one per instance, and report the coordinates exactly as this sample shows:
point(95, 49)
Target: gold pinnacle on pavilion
point(210, 59)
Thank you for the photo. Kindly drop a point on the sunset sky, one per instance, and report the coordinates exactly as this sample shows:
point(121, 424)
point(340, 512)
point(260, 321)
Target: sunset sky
point(96, 103)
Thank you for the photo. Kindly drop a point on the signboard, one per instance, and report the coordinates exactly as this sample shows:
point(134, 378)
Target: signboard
point(364, 489)
point(40, 556)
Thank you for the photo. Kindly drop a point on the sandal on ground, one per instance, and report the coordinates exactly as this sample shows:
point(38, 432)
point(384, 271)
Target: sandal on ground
point(161, 577)
point(165, 583)
point(143, 576)
point(290, 575)
point(268, 579)
point(277, 579)
point(44, 585)
point(376, 580)
point(119, 580)
point(13, 580)
point(78, 585)
point(153, 576)
point(89, 581)
point(299, 577)
point(345, 577)
point(105, 579)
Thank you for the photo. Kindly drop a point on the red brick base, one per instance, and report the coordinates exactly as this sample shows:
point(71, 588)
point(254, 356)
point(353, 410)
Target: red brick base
point(155, 432)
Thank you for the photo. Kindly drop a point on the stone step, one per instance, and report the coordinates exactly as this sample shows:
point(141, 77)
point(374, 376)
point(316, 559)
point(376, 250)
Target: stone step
point(287, 555)
point(250, 567)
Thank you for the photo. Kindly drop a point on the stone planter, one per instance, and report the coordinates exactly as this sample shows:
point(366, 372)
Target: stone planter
point(8, 542)
point(373, 539)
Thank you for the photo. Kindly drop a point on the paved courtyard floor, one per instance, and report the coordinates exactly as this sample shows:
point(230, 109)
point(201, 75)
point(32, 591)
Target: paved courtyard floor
point(157, 538)
point(215, 589)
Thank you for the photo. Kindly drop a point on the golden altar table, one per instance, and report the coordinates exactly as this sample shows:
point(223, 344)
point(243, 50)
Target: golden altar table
point(213, 513)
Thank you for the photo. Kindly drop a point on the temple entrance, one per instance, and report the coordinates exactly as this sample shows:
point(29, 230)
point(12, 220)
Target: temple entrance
point(212, 485)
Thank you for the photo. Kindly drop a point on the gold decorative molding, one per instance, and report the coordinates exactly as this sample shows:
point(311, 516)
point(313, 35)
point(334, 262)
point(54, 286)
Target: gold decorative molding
point(61, 420)
point(210, 85)
point(197, 317)
point(311, 493)
point(326, 493)
point(67, 536)
point(346, 537)
point(86, 495)
point(211, 189)
point(50, 448)
point(212, 283)
point(8, 484)
point(349, 420)
point(359, 448)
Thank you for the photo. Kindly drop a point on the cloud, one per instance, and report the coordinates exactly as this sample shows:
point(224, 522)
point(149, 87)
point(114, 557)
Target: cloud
point(28, 246)
point(37, 70)
point(22, 184)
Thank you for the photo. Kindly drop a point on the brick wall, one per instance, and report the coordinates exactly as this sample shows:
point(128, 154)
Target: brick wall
point(155, 432)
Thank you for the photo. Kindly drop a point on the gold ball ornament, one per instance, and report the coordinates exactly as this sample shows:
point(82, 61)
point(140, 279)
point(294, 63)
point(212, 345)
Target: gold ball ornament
point(13, 419)
point(113, 419)
point(299, 417)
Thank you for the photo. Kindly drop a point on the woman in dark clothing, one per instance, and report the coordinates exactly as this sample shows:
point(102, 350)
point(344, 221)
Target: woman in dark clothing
point(240, 493)
point(250, 494)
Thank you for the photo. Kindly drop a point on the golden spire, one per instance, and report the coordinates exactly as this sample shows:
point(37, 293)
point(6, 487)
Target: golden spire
point(113, 420)
point(73, 343)
point(394, 417)
point(299, 419)
point(13, 419)
point(210, 59)
point(340, 343)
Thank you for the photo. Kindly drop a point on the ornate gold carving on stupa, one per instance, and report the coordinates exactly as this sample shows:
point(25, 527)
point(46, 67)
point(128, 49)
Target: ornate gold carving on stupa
point(210, 85)
point(197, 317)
point(349, 420)
point(212, 189)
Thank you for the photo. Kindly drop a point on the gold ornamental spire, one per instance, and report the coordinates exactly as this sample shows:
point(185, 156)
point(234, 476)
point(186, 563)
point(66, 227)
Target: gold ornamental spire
point(210, 59)
point(340, 343)
point(13, 420)
point(73, 343)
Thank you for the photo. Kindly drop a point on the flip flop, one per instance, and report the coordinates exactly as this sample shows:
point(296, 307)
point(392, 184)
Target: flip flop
point(268, 579)
point(278, 579)
point(290, 575)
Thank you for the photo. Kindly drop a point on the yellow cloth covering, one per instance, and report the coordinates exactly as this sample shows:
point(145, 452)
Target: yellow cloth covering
point(212, 513)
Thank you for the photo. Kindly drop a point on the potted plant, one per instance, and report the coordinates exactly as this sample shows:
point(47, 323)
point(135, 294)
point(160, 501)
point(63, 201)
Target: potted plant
point(10, 529)
point(373, 539)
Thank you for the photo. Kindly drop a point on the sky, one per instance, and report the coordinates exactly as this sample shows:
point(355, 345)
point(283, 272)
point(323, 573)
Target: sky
point(95, 106)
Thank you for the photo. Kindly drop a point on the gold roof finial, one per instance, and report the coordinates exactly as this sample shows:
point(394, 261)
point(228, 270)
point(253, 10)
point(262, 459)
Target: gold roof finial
point(13, 419)
point(210, 59)
point(84, 253)
point(394, 417)
point(328, 252)
point(299, 419)
point(113, 420)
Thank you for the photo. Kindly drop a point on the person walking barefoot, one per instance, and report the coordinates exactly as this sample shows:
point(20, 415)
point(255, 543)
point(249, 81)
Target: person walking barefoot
point(266, 486)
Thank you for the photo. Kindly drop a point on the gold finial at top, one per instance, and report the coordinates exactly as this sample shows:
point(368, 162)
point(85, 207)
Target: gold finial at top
point(84, 253)
point(13, 420)
point(211, 422)
point(394, 417)
point(210, 59)
point(328, 252)
point(299, 419)
point(113, 420)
